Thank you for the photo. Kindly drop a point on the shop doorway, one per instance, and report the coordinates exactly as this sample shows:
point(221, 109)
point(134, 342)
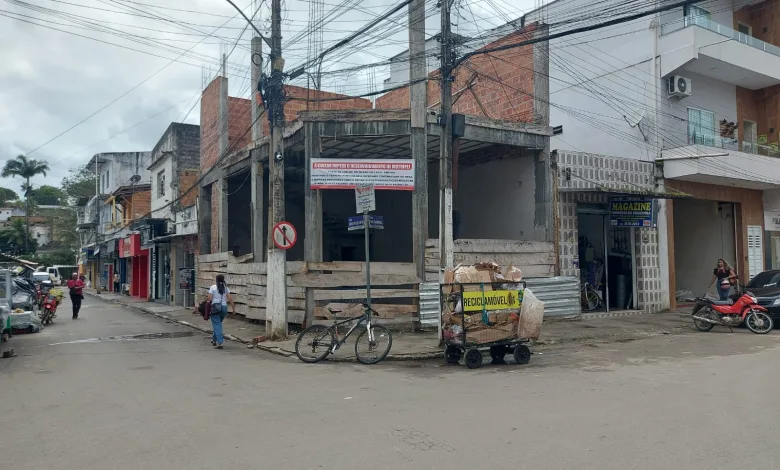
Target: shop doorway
point(162, 272)
point(607, 257)
point(704, 231)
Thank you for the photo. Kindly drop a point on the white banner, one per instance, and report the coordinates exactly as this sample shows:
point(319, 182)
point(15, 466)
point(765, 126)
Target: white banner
point(772, 221)
point(334, 173)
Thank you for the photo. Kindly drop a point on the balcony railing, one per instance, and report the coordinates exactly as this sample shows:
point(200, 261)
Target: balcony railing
point(756, 148)
point(706, 23)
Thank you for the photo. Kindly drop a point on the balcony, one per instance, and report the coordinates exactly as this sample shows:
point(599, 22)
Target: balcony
point(699, 45)
point(748, 165)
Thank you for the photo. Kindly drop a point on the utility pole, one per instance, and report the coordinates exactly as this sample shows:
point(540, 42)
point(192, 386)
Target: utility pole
point(276, 307)
point(446, 249)
point(418, 103)
point(258, 231)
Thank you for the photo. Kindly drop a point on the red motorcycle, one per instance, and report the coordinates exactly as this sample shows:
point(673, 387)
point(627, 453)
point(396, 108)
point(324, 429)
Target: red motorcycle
point(742, 308)
point(49, 309)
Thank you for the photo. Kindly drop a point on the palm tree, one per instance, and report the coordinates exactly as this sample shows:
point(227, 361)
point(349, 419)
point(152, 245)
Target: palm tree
point(18, 234)
point(25, 168)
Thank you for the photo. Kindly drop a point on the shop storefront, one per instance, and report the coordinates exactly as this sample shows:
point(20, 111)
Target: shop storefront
point(136, 265)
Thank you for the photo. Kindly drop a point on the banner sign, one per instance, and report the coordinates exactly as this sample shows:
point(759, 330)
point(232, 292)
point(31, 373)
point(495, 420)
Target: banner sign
point(389, 174)
point(492, 300)
point(632, 213)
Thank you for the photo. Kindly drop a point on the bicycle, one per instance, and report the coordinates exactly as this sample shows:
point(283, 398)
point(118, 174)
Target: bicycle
point(324, 340)
point(590, 297)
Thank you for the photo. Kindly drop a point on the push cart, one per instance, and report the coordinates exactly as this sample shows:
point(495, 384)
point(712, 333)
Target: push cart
point(482, 316)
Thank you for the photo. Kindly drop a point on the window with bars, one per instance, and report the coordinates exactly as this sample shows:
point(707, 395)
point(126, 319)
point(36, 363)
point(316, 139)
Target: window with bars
point(161, 184)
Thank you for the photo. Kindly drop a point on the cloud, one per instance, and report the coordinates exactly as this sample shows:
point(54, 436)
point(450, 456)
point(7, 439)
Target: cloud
point(51, 80)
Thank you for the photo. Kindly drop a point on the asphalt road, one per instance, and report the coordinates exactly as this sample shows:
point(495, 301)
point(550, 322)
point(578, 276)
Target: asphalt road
point(76, 398)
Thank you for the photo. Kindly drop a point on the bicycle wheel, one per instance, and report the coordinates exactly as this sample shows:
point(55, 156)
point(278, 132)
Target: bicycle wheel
point(371, 352)
point(314, 343)
point(590, 299)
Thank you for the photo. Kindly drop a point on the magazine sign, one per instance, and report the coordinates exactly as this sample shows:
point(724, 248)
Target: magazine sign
point(635, 212)
point(387, 174)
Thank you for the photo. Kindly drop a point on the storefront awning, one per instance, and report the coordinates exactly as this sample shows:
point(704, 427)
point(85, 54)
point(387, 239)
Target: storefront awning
point(670, 194)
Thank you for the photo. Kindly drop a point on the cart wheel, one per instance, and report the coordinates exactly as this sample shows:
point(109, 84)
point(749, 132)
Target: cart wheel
point(473, 359)
point(522, 354)
point(453, 354)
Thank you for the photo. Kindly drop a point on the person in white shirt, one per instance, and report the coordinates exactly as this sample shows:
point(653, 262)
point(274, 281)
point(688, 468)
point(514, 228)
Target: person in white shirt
point(219, 296)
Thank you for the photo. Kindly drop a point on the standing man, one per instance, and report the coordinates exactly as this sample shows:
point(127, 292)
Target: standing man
point(76, 288)
point(116, 283)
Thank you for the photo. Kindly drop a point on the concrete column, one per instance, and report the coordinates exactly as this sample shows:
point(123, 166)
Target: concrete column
point(258, 199)
point(222, 213)
point(418, 103)
point(312, 239)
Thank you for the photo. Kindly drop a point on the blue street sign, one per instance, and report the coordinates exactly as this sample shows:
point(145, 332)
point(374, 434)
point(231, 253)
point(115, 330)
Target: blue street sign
point(355, 222)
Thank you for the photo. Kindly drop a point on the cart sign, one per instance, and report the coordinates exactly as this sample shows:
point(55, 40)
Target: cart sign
point(492, 300)
point(332, 173)
point(632, 213)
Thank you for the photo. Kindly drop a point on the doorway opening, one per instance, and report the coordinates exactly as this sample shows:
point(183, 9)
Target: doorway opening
point(607, 257)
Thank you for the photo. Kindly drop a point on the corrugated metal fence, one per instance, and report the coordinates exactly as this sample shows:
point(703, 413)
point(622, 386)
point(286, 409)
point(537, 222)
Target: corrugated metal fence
point(561, 295)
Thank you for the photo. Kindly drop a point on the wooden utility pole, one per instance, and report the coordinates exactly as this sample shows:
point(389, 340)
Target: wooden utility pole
point(418, 103)
point(446, 253)
point(276, 307)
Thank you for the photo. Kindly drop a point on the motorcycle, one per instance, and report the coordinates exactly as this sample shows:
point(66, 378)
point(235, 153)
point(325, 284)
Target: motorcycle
point(50, 303)
point(742, 308)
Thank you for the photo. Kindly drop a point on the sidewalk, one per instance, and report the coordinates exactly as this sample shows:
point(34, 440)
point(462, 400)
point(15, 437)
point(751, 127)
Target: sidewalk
point(420, 346)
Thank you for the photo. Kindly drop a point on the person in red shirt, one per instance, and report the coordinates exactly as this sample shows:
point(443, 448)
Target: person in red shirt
point(76, 288)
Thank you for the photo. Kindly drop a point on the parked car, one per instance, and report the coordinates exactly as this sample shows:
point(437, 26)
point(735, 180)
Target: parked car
point(766, 287)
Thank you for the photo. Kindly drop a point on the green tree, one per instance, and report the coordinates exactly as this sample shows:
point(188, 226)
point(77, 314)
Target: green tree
point(80, 182)
point(48, 195)
point(25, 168)
point(16, 239)
point(7, 195)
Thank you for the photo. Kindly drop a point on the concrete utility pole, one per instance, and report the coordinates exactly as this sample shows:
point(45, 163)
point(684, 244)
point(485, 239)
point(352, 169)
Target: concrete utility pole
point(418, 103)
point(446, 248)
point(258, 231)
point(276, 305)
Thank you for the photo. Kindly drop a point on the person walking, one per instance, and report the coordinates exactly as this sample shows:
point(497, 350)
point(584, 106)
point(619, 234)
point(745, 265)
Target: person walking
point(219, 296)
point(116, 283)
point(76, 288)
point(725, 275)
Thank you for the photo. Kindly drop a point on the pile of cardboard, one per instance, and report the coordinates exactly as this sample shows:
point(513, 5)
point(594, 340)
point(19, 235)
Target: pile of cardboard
point(481, 276)
point(500, 326)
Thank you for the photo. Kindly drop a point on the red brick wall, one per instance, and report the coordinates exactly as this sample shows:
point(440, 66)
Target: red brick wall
point(140, 204)
point(209, 124)
point(302, 99)
point(239, 120)
point(504, 83)
point(187, 179)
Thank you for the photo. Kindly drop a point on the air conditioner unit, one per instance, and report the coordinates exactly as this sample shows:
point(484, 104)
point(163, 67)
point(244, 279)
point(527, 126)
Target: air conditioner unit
point(170, 227)
point(679, 87)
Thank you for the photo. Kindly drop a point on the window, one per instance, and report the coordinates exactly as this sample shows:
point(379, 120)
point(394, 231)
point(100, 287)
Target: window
point(701, 127)
point(696, 15)
point(744, 29)
point(107, 178)
point(161, 184)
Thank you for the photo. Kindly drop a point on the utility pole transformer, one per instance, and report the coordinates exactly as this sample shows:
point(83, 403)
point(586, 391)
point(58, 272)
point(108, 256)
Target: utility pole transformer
point(446, 248)
point(276, 307)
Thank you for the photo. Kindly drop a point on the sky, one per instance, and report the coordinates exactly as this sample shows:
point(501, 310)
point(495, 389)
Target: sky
point(59, 68)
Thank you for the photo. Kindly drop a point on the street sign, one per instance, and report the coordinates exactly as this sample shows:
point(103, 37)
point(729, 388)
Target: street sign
point(284, 235)
point(365, 198)
point(374, 221)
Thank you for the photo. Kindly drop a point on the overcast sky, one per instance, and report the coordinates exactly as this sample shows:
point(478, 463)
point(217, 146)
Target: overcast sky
point(50, 80)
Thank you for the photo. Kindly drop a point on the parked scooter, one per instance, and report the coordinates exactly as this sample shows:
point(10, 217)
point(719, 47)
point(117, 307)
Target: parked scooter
point(743, 307)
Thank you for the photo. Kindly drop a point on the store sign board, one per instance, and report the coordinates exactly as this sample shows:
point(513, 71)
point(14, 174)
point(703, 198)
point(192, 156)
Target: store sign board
point(772, 221)
point(635, 212)
point(388, 174)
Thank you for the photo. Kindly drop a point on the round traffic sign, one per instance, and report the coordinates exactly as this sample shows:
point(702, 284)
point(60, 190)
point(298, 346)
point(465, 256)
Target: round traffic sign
point(284, 235)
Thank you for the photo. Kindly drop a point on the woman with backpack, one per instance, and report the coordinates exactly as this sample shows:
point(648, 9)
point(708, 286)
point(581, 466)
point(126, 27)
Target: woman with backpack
point(219, 296)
